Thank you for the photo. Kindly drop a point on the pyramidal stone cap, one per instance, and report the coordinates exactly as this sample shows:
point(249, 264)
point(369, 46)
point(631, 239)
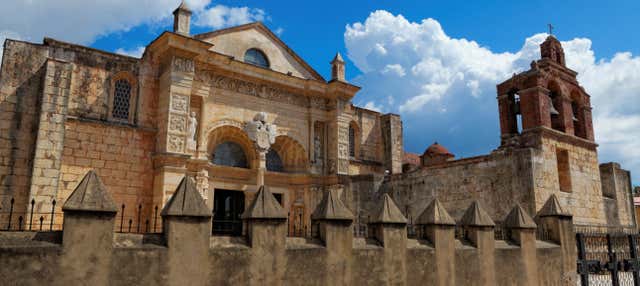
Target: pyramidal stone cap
point(90, 196)
point(553, 208)
point(389, 212)
point(476, 216)
point(186, 201)
point(518, 218)
point(435, 214)
point(264, 206)
point(332, 208)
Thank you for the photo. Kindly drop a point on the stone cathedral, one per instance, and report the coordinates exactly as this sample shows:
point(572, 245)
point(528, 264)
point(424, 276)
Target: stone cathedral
point(237, 109)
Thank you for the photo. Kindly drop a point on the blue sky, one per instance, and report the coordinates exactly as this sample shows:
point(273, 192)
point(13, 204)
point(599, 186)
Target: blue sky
point(434, 62)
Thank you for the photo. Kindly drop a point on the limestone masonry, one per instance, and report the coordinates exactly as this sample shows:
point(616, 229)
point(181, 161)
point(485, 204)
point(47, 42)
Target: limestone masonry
point(272, 149)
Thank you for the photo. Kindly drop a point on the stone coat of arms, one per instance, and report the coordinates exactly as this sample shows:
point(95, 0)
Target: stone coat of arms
point(261, 132)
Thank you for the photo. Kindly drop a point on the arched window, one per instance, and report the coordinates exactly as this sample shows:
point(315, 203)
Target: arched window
point(352, 142)
point(256, 57)
point(121, 100)
point(230, 154)
point(274, 162)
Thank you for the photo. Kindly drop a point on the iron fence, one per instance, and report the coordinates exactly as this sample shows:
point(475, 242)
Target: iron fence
point(13, 220)
point(607, 255)
point(136, 223)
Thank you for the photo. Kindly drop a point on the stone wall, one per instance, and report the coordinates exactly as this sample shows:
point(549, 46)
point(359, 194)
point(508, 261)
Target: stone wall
point(617, 196)
point(185, 254)
point(498, 181)
point(120, 155)
point(21, 84)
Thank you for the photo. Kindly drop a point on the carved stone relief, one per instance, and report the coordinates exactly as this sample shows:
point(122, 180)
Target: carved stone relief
point(259, 90)
point(343, 150)
point(183, 65)
point(176, 143)
point(177, 123)
point(179, 103)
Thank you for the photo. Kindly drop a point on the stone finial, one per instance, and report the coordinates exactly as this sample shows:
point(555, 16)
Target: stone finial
point(518, 218)
point(389, 212)
point(182, 19)
point(186, 201)
point(553, 208)
point(264, 206)
point(331, 208)
point(476, 216)
point(90, 195)
point(337, 68)
point(435, 214)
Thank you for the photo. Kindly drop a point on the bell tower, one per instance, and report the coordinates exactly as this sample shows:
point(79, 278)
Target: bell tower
point(546, 98)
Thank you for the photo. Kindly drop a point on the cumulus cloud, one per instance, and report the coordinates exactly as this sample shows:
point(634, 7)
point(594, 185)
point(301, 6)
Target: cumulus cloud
point(134, 52)
point(221, 16)
point(444, 87)
point(83, 22)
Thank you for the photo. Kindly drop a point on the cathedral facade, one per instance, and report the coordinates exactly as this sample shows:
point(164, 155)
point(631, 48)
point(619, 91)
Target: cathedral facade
point(237, 109)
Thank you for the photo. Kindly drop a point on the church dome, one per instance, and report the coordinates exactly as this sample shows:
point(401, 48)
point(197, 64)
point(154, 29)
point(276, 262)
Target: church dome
point(437, 150)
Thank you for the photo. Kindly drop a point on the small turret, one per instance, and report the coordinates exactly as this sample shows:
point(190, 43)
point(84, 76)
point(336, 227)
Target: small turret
point(337, 68)
point(182, 19)
point(552, 49)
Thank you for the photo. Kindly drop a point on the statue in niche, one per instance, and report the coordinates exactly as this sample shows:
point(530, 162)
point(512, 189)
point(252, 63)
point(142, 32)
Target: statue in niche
point(261, 132)
point(191, 131)
point(317, 149)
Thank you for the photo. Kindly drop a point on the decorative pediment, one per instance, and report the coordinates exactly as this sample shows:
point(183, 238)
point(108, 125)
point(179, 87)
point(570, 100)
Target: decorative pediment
point(236, 41)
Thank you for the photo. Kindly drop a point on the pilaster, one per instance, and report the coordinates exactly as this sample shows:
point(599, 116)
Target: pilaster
point(521, 229)
point(50, 135)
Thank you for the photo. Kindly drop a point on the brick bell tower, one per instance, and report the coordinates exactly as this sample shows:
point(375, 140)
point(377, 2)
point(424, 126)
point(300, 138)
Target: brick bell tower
point(546, 99)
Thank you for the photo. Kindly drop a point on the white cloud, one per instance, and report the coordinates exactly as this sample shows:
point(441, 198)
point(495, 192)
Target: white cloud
point(372, 106)
point(452, 82)
point(135, 52)
point(221, 16)
point(394, 69)
point(83, 22)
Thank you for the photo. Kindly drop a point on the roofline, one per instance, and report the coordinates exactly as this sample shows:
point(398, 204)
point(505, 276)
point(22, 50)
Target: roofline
point(51, 41)
point(261, 25)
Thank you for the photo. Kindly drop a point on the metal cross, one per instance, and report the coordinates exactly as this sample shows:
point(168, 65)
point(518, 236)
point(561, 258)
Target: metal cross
point(550, 29)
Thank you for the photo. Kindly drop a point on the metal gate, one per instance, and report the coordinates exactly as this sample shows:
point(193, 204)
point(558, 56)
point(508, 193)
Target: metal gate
point(608, 259)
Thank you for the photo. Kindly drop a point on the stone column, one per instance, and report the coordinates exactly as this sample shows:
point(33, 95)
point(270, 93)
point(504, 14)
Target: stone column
point(50, 135)
point(334, 222)
point(479, 230)
point(558, 226)
point(267, 231)
point(390, 228)
point(521, 229)
point(391, 126)
point(87, 240)
point(436, 225)
point(187, 231)
point(174, 104)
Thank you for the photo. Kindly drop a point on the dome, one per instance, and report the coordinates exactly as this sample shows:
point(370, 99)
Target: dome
point(437, 150)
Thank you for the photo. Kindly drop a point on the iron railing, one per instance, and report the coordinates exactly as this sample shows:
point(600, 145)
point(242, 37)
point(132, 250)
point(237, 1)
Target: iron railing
point(608, 258)
point(13, 220)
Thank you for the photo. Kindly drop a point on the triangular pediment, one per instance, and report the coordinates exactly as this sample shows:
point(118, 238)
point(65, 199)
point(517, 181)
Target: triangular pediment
point(235, 41)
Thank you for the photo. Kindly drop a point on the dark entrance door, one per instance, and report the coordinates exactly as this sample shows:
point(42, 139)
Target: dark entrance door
point(227, 208)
